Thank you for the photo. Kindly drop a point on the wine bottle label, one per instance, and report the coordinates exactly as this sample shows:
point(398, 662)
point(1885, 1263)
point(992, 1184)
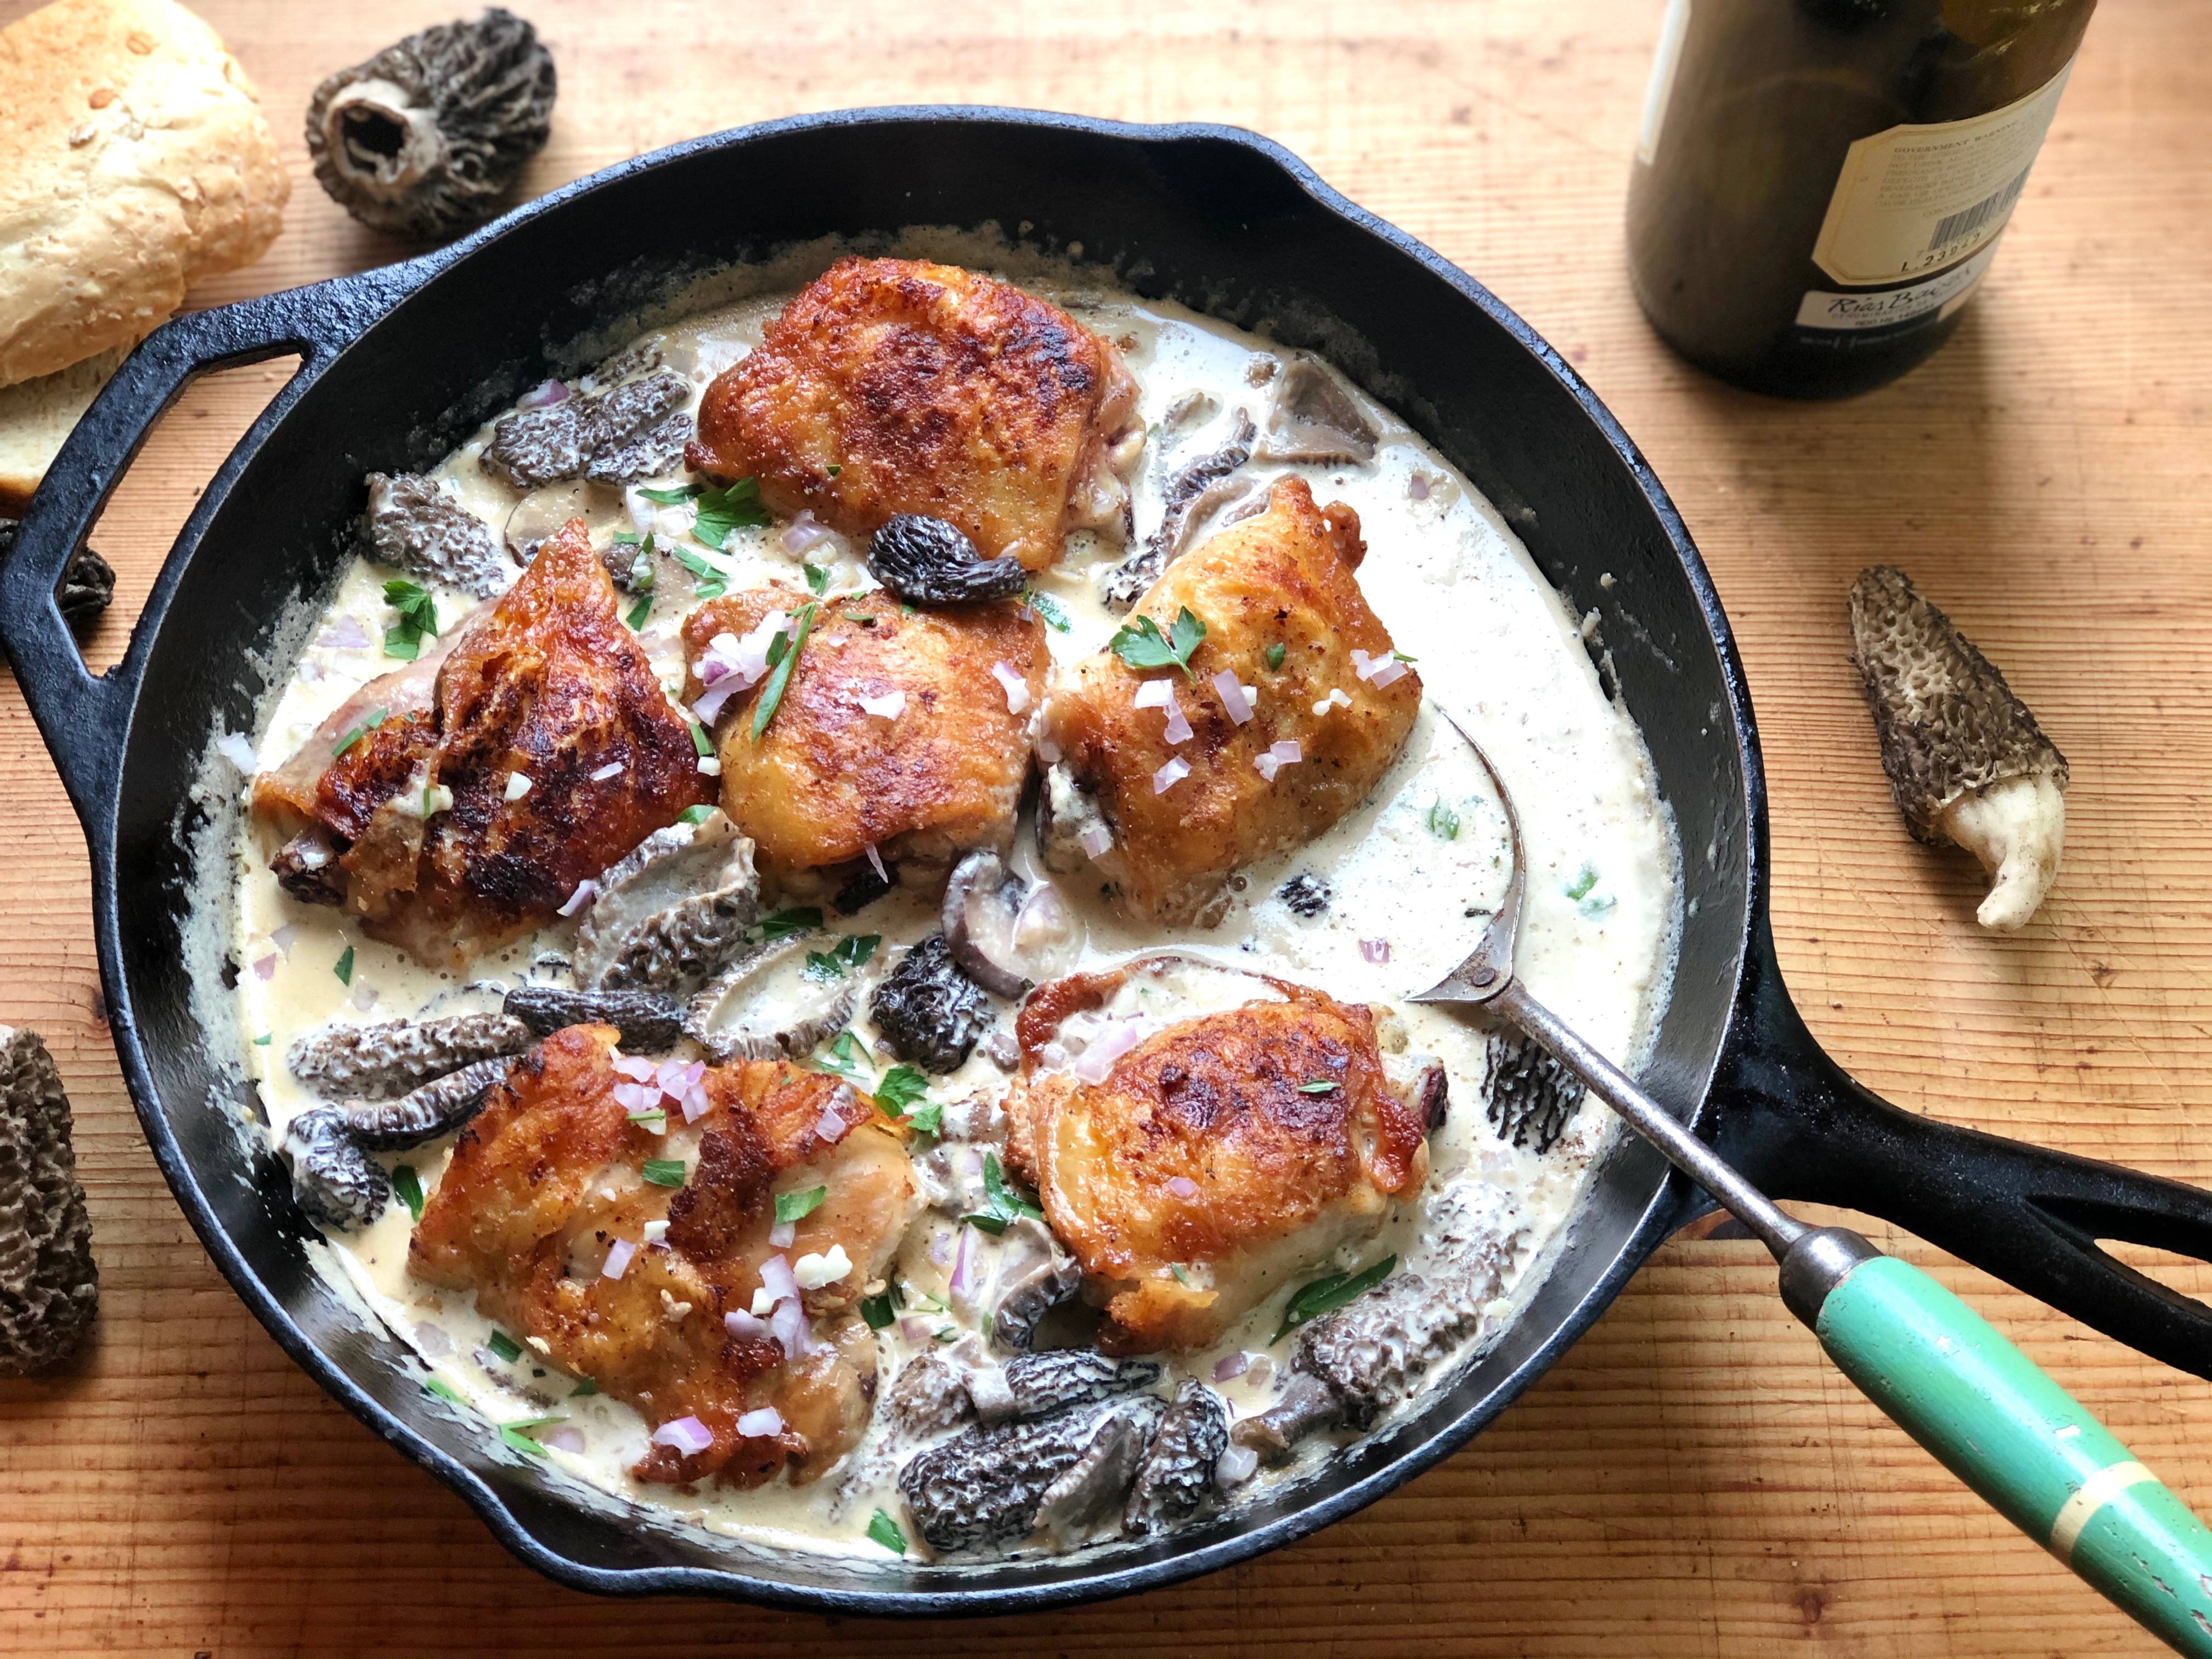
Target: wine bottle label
point(1914, 200)
point(1860, 318)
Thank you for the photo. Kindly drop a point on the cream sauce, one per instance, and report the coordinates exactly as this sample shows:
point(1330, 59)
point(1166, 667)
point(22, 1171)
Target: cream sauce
point(1419, 866)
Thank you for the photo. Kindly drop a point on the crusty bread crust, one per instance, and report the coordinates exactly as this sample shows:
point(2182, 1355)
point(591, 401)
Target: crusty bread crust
point(35, 415)
point(134, 163)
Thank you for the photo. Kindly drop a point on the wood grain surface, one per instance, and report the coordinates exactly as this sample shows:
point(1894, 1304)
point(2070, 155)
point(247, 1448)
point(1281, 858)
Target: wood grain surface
point(1693, 1479)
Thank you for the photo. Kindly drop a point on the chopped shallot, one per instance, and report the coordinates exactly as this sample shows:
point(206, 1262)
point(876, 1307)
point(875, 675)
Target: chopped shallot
point(831, 1125)
point(1376, 951)
point(518, 785)
point(1229, 1367)
point(1284, 753)
point(1109, 1045)
point(637, 1070)
point(741, 1324)
point(1160, 693)
point(776, 1280)
point(876, 863)
point(566, 1438)
point(813, 1272)
point(1235, 1466)
point(619, 1256)
point(433, 1340)
point(1047, 750)
point(788, 1321)
point(1095, 841)
point(1017, 688)
point(586, 891)
point(1234, 697)
point(806, 530)
point(760, 1425)
point(266, 967)
point(656, 1232)
point(889, 707)
point(686, 1434)
point(1387, 675)
point(1183, 1186)
point(346, 634)
point(963, 1261)
point(611, 769)
point(636, 1097)
point(1172, 774)
point(730, 665)
point(238, 751)
point(543, 395)
point(781, 1235)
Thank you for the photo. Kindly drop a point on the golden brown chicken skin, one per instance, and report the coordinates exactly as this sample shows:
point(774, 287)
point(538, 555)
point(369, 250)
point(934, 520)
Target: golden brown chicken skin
point(1209, 1167)
point(547, 1179)
point(827, 779)
point(1285, 577)
point(549, 684)
point(898, 386)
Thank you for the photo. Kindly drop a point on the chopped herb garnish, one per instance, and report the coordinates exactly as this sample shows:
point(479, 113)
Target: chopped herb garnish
point(834, 469)
point(899, 1089)
point(709, 582)
point(1054, 612)
point(796, 1206)
point(1585, 878)
point(1007, 1205)
point(663, 1171)
point(882, 1529)
point(844, 1058)
point(409, 1185)
point(865, 620)
point(1275, 653)
point(375, 718)
point(881, 1310)
point(672, 497)
point(822, 966)
point(1597, 904)
point(817, 576)
point(1327, 1295)
point(1141, 645)
point(782, 924)
point(700, 740)
point(1181, 1277)
point(1444, 822)
point(1399, 656)
point(444, 1390)
point(402, 643)
point(640, 611)
point(649, 1117)
point(265, 1039)
point(780, 677)
point(734, 507)
point(850, 951)
point(626, 538)
point(928, 1119)
point(418, 615)
point(695, 814)
point(512, 1433)
point(503, 1345)
point(584, 1389)
point(344, 966)
point(1320, 1086)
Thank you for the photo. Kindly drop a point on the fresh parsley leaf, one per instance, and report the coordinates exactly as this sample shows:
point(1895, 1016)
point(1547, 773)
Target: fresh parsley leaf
point(899, 1089)
point(1275, 653)
point(881, 1310)
point(733, 507)
point(1596, 905)
point(1141, 645)
point(817, 577)
point(512, 1434)
point(1007, 1205)
point(584, 1389)
point(1399, 656)
point(1320, 1086)
point(782, 924)
point(1054, 612)
point(402, 643)
point(444, 1390)
point(854, 949)
point(780, 677)
point(928, 1119)
point(663, 1171)
point(1585, 878)
point(503, 1345)
point(882, 1529)
point(344, 966)
point(700, 740)
point(834, 469)
point(1444, 822)
point(409, 1185)
point(640, 611)
point(265, 1039)
point(695, 814)
point(1181, 1277)
point(626, 537)
point(864, 620)
point(796, 1206)
point(354, 736)
point(418, 616)
point(708, 581)
point(822, 968)
point(672, 497)
point(1327, 1295)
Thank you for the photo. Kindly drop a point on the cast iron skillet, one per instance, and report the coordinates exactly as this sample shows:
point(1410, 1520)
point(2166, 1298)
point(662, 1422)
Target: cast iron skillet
point(398, 364)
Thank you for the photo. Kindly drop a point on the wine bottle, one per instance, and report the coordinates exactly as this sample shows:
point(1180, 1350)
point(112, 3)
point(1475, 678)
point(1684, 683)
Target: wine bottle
point(1820, 185)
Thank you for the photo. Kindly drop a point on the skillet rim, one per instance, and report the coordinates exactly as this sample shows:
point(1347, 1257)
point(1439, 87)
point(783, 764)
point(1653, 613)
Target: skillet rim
point(1671, 1199)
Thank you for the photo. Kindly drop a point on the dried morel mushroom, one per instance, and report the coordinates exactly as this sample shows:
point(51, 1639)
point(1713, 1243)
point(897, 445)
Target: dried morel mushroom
point(1967, 760)
point(425, 139)
point(49, 1288)
point(88, 580)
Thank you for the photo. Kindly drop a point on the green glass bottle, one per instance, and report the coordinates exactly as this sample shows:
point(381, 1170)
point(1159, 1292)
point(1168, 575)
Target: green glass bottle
point(1820, 185)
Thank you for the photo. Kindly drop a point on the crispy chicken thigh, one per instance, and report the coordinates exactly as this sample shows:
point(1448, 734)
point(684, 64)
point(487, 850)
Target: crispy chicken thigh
point(550, 685)
point(898, 386)
point(1209, 1167)
point(828, 779)
point(1285, 577)
point(547, 1180)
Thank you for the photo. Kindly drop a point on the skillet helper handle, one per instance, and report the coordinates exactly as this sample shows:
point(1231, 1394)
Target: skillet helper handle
point(79, 713)
point(1997, 1422)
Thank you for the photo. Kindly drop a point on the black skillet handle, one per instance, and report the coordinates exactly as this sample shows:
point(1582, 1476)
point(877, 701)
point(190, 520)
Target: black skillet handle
point(79, 713)
point(1801, 1128)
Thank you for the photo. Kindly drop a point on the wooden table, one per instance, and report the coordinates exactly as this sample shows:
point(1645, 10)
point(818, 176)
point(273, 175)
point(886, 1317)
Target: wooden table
point(1693, 1479)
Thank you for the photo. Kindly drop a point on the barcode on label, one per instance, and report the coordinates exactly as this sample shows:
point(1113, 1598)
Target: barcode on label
point(1966, 220)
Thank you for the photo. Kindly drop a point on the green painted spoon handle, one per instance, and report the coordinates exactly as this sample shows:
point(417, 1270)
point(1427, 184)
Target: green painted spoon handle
point(2023, 1443)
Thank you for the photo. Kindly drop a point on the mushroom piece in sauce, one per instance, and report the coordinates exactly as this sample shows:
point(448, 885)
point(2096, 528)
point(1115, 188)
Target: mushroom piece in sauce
point(671, 912)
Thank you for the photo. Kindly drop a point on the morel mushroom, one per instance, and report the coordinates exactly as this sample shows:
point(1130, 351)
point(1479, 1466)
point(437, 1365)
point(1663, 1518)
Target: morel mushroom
point(49, 1287)
point(1966, 762)
point(649, 1021)
point(928, 1010)
point(1527, 1094)
point(393, 1057)
point(414, 524)
point(927, 561)
point(425, 139)
point(88, 580)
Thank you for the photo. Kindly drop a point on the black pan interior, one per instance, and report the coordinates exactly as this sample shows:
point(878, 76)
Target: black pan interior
point(1212, 218)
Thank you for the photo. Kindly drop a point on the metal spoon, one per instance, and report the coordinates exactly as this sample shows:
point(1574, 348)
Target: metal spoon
point(1941, 1372)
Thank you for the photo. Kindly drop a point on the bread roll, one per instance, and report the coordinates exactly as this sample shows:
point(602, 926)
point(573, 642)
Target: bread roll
point(134, 163)
point(35, 415)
